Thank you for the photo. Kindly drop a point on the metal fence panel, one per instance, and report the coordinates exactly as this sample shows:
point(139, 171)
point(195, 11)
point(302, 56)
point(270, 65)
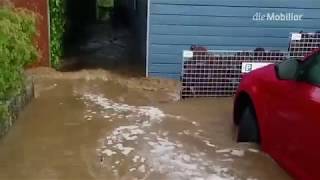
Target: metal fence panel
point(218, 73)
point(303, 43)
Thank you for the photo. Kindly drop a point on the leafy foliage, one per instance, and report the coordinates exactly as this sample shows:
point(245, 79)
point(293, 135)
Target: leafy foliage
point(17, 50)
point(3, 112)
point(106, 3)
point(57, 29)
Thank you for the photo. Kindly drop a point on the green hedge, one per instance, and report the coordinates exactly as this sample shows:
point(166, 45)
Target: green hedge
point(57, 29)
point(17, 50)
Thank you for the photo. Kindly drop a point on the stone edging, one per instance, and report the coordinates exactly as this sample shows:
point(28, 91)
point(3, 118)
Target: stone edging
point(15, 105)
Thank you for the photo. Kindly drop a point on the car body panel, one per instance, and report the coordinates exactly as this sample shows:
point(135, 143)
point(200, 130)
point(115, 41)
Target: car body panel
point(288, 118)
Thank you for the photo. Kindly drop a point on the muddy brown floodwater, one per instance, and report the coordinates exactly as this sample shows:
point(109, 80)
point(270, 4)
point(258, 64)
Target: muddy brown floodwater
point(91, 129)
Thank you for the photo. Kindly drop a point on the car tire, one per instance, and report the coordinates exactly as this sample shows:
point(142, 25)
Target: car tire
point(248, 129)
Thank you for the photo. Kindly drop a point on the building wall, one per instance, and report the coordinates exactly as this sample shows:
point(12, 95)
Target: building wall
point(40, 7)
point(175, 25)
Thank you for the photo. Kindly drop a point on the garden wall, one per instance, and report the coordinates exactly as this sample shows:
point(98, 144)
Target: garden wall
point(40, 7)
point(18, 28)
point(15, 105)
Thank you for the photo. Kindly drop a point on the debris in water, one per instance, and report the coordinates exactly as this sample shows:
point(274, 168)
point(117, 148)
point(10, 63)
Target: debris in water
point(208, 143)
point(146, 124)
point(142, 169)
point(136, 158)
point(186, 132)
point(132, 169)
point(115, 172)
point(223, 151)
point(127, 150)
point(195, 123)
point(253, 150)
point(165, 133)
point(108, 152)
point(237, 152)
point(215, 177)
point(179, 145)
point(227, 160)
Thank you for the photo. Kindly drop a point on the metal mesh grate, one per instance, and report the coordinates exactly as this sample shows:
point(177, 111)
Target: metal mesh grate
point(218, 73)
point(303, 43)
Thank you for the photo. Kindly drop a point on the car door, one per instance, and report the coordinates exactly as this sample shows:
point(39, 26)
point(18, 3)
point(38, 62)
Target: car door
point(303, 150)
point(280, 103)
point(296, 119)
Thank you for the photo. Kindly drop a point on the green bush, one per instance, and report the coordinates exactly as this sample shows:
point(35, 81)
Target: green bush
point(57, 29)
point(4, 113)
point(17, 48)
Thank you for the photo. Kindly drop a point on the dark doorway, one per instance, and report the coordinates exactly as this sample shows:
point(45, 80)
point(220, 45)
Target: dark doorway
point(80, 13)
point(107, 41)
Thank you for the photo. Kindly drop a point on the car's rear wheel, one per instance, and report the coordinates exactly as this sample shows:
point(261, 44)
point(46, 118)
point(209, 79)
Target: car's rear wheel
point(248, 129)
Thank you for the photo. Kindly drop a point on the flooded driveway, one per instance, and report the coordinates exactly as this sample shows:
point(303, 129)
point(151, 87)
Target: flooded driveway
point(95, 129)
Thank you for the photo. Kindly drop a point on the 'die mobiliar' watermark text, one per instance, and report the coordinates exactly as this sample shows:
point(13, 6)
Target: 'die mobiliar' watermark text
point(277, 17)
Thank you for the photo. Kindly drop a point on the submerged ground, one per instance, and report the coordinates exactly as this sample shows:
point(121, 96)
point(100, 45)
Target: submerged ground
point(103, 129)
point(101, 124)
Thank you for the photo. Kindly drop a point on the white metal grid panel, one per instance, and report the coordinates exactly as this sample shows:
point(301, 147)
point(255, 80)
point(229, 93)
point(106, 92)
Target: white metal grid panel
point(303, 43)
point(218, 73)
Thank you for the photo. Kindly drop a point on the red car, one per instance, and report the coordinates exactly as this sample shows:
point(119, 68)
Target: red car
point(278, 106)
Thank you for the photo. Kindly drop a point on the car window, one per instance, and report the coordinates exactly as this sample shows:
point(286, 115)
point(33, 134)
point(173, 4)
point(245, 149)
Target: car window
point(311, 70)
point(287, 70)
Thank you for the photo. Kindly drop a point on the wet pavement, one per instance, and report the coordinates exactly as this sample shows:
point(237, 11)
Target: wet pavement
point(96, 129)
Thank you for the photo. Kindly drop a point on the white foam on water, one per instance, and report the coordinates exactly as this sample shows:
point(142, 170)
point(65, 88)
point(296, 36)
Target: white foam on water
point(253, 150)
point(236, 152)
point(153, 113)
point(136, 158)
point(227, 160)
point(223, 151)
point(108, 152)
point(118, 136)
point(215, 177)
point(208, 143)
point(195, 123)
point(163, 156)
point(142, 168)
point(132, 169)
point(168, 158)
